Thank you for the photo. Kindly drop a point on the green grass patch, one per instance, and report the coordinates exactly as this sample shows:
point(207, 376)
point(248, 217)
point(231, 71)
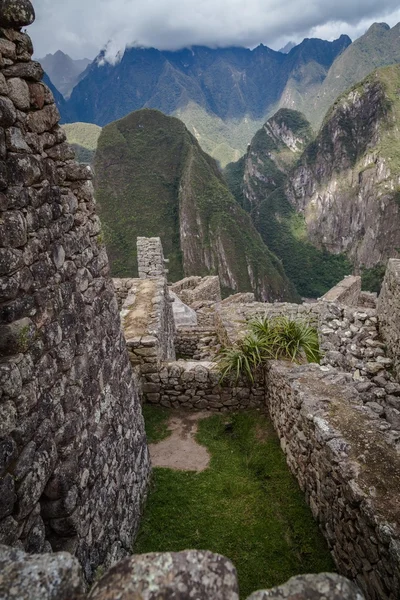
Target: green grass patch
point(156, 419)
point(246, 506)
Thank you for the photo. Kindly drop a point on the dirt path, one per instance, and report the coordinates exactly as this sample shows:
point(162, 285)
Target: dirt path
point(180, 450)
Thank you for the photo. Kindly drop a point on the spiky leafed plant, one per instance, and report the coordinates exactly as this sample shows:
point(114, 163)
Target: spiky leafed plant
point(277, 338)
point(243, 359)
point(294, 340)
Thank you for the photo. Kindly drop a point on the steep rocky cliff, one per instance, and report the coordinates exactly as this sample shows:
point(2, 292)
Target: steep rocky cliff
point(347, 184)
point(258, 182)
point(378, 47)
point(153, 179)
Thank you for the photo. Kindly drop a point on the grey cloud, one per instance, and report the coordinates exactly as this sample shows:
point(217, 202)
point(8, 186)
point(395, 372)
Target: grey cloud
point(82, 27)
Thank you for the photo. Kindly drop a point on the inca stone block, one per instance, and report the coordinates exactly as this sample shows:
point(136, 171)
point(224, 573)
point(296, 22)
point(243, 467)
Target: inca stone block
point(171, 576)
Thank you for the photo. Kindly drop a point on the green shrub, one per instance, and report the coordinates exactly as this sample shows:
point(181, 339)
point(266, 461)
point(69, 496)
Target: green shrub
point(279, 338)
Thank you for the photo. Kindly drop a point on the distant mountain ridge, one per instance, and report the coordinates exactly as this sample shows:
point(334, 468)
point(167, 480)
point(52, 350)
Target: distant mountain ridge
point(64, 71)
point(216, 92)
point(224, 95)
point(378, 47)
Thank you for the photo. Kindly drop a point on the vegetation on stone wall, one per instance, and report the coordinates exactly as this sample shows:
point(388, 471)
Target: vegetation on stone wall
point(280, 338)
point(246, 506)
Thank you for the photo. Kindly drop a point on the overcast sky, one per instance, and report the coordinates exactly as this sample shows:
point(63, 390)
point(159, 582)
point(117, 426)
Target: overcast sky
point(82, 27)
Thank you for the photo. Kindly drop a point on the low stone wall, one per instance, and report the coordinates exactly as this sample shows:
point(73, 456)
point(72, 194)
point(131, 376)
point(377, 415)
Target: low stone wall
point(122, 288)
point(347, 468)
point(148, 324)
point(231, 319)
point(194, 385)
point(389, 312)
point(345, 292)
point(192, 289)
point(197, 344)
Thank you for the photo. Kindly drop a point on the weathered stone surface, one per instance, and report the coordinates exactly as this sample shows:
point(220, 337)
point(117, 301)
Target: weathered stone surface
point(8, 113)
point(43, 120)
point(16, 141)
point(7, 496)
point(39, 577)
point(31, 71)
point(16, 337)
point(37, 93)
point(18, 92)
point(23, 168)
point(7, 48)
point(325, 586)
point(16, 13)
point(174, 576)
point(389, 311)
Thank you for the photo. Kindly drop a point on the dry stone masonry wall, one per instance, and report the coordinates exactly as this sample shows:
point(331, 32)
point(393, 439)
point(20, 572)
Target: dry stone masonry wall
point(74, 463)
point(195, 385)
point(347, 467)
point(389, 312)
point(151, 261)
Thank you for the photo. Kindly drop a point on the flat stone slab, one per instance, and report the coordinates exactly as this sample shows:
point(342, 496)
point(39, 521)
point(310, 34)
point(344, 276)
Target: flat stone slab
point(181, 451)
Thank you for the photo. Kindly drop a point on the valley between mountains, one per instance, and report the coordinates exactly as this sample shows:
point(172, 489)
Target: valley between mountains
point(278, 171)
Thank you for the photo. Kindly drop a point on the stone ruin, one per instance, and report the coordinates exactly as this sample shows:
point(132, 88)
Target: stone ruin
point(74, 463)
point(338, 422)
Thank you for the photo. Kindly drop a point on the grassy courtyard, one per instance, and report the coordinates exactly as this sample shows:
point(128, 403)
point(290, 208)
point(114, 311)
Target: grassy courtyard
point(246, 505)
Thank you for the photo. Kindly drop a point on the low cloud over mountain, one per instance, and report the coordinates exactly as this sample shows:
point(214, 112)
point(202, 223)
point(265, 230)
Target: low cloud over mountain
point(82, 28)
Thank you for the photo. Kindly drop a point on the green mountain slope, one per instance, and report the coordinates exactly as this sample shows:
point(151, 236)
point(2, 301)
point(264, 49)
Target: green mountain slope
point(153, 179)
point(83, 137)
point(378, 47)
point(259, 182)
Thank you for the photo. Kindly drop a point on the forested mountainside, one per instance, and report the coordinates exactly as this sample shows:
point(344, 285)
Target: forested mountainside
point(324, 205)
point(222, 94)
point(258, 181)
point(83, 137)
point(153, 179)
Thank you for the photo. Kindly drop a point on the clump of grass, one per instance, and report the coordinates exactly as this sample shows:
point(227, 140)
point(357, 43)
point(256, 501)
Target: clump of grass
point(246, 505)
point(156, 421)
point(279, 338)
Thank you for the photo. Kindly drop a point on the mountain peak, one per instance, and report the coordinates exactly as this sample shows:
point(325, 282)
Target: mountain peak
point(378, 28)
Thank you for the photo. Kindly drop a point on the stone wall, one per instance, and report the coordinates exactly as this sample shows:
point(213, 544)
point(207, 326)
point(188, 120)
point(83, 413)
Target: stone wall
point(345, 292)
point(122, 288)
point(347, 467)
point(149, 324)
point(195, 385)
point(196, 343)
point(389, 312)
point(150, 255)
point(194, 289)
point(73, 456)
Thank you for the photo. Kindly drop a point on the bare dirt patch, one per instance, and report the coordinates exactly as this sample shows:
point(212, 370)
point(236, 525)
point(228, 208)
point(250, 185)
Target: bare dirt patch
point(181, 451)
